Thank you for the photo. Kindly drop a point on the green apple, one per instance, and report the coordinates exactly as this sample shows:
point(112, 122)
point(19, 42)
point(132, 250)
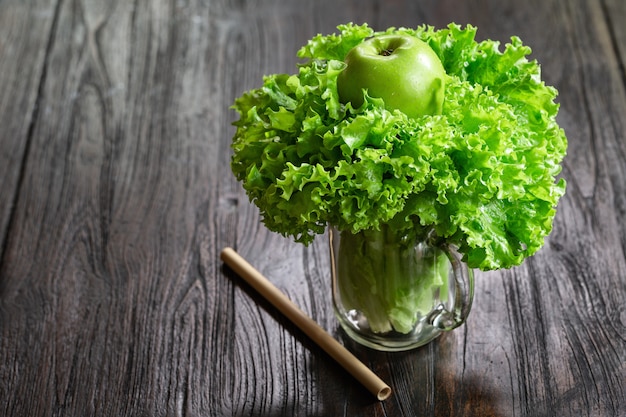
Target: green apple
point(402, 70)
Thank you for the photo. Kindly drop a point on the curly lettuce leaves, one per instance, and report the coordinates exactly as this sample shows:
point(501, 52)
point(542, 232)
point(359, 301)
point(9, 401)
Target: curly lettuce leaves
point(482, 174)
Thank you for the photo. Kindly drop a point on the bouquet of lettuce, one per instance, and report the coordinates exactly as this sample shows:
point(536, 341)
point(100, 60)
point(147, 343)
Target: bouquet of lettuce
point(475, 165)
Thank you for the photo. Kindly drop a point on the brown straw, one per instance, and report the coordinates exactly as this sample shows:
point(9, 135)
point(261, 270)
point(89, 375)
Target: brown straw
point(279, 300)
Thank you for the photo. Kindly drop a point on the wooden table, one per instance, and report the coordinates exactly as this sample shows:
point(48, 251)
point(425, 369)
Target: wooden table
point(117, 197)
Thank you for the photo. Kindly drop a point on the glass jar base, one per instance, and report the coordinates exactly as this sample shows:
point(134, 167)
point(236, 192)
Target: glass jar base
point(356, 327)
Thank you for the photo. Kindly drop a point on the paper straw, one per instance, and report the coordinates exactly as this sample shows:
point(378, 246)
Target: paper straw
point(330, 345)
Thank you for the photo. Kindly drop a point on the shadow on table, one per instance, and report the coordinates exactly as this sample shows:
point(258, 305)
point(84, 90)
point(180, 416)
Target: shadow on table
point(423, 383)
point(431, 381)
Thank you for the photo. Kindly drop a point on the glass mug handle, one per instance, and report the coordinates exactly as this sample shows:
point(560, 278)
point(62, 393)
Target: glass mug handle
point(445, 317)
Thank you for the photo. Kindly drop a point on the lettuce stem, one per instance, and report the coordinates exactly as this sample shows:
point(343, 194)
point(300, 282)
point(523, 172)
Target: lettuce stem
point(392, 282)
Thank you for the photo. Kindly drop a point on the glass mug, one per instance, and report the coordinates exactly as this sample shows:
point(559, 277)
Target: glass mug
point(392, 293)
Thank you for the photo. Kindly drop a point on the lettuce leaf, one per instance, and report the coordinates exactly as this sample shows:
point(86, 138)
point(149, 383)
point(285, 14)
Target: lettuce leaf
point(483, 174)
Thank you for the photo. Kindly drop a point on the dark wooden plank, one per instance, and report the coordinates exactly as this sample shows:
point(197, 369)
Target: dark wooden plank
point(23, 48)
point(106, 302)
point(112, 297)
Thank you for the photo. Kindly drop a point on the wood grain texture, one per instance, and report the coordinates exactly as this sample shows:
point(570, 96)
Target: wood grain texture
point(117, 198)
point(23, 50)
